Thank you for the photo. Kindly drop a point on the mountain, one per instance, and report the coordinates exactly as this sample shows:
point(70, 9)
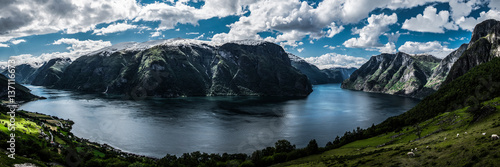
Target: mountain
point(45, 75)
point(444, 67)
point(452, 127)
point(338, 74)
point(320, 76)
point(179, 67)
point(467, 104)
point(24, 73)
point(50, 72)
point(22, 93)
point(399, 74)
point(482, 47)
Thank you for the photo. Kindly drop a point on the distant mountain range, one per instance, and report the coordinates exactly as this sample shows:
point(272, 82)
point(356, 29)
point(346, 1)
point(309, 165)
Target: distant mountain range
point(421, 75)
point(320, 76)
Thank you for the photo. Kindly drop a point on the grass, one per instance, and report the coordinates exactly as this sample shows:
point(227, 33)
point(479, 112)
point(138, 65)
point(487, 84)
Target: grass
point(31, 114)
point(471, 149)
point(59, 140)
point(98, 154)
point(22, 125)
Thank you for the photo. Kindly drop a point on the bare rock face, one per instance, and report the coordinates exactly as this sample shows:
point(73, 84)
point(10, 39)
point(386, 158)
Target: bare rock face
point(444, 67)
point(482, 47)
point(173, 69)
point(378, 74)
point(399, 74)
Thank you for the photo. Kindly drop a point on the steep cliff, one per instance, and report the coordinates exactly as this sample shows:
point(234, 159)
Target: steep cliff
point(482, 48)
point(373, 76)
point(444, 67)
point(400, 74)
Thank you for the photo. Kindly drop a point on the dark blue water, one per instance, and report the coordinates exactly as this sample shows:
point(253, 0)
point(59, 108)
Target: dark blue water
point(155, 127)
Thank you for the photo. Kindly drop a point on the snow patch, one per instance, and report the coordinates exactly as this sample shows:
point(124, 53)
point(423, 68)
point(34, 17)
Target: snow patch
point(251, 42)
point(295, 58)
point(135, 46)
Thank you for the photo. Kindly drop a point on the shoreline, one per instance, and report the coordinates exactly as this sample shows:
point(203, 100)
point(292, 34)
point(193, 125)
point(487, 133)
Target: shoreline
point(54, 133)
point(101, 145)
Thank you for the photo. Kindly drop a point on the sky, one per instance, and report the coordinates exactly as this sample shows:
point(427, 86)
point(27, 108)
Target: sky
point(326, 33)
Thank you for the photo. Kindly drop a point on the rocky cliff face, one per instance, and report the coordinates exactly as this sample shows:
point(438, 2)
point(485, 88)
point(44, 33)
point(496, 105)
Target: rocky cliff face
point(174, 68)
point(482, 47)
point(320, 76)
point(444, 67)
point(400, 74)
point(50, 72)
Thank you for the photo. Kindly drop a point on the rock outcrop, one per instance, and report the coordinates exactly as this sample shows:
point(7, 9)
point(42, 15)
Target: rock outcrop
point(444, 67)
point(482, 47)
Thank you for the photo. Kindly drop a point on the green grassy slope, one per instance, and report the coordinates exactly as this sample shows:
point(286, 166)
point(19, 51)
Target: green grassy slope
point(471, 149)
point(468, 104)
point(479, 84)
point(34, 148)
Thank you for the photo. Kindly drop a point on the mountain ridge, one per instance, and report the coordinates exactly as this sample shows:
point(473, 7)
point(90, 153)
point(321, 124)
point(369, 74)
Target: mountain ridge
point(398, 74)
point(182, 68)
point(482, 48)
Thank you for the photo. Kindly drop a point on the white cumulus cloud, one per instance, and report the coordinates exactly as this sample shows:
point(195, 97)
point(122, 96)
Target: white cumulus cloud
point(15, 42)
point(329, 47)
point(468, 23)
point(369, 35)
point(114, 28)
point(390, 47)
point(21, 18)
point(82, 47)
point(156, 33)
point(330, 60)
point(434, 48)
point(76, 49)
point(292, 20)
point(429, 21)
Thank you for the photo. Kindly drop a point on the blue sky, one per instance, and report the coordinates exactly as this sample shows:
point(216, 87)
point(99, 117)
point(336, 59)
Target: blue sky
point(326, 33)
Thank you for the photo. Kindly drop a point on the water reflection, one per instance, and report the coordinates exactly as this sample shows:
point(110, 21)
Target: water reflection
point(156, 127)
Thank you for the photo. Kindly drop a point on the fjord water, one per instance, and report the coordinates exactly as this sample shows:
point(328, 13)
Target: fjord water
point(155, 127)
